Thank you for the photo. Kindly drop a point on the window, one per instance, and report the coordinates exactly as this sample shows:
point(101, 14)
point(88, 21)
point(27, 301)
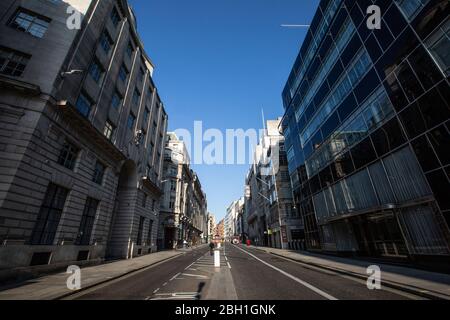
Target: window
point(116, 100)
point(68, 155)
point(30, 22)
point(439, 45)
point(123, 73)
point(146, 114)
point(108, 131)
point(287, 132)
point(140, 230)
point(106, 42)
point(49, 216)
point(12, 63)
point(84, 105)
point(149, 234)
point(358, 68)
point(153, 204)
point(115, 17)
point(136, 97)
point(173, 185)
point(96, 71)
point(99, 172)
point(411, 7)
point(131, 121)
point(150, 150)
point(87, 222)
point(171, 203)
point(425, 154)
point(130, 49)
point(144, 200)
point(440, 139)
point(141, 74)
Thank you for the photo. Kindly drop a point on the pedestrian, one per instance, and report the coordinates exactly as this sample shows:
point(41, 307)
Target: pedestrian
point(211, 247)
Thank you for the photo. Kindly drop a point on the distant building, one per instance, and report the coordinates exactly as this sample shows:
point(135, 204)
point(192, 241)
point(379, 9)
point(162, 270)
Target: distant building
point(272, 219)
point(220, 229)
point(82, 132)
point(211, 226)
point(184, 205)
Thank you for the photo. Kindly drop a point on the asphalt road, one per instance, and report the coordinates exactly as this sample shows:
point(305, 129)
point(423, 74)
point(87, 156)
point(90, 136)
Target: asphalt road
point(245, 274)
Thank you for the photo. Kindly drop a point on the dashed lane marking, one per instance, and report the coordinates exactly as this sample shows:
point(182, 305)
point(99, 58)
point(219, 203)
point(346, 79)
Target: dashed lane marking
point(175, 276)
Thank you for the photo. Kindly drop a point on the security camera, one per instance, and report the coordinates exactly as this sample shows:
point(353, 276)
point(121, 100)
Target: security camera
point(67, 73)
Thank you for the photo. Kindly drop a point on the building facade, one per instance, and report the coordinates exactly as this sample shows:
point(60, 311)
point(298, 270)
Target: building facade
point(367, 130)
point(211, 226)
point(219, 231)
point(82, 135)
point(272, 218)
point(234, 220)
point(184, 206)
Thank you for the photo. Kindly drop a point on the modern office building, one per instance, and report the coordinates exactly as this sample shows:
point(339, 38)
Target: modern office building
point(367, 129)
point(82, 132)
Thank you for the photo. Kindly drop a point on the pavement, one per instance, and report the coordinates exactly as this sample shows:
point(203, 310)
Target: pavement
point(245, 273)
point(54, 286)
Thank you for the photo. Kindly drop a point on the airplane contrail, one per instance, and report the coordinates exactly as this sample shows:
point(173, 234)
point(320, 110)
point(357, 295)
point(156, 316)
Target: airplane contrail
point(296, 25)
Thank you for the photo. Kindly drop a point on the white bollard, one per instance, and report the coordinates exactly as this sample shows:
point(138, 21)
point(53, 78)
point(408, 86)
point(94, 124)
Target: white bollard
point(217, 258)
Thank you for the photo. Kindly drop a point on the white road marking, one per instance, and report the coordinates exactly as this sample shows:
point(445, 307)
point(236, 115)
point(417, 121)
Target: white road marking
point(177, 296)
point(175, 276)
point(194, 275)
point(228, 265)
point(304, 283)
point(189, 266)
point(164, 284)
point(156, 291)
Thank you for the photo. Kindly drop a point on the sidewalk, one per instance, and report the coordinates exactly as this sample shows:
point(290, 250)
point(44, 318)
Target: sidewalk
point(423, 283)
point(54, 286)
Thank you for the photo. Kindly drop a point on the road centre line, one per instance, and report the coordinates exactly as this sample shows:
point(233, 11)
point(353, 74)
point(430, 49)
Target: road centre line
point(175, 276)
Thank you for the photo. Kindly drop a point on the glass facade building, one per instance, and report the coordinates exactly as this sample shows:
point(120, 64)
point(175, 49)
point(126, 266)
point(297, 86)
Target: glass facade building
point(367, 129)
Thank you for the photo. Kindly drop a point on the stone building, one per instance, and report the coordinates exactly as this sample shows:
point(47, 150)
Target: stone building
point(184, 206)
point(211, 226)
point(81, 135)
point(269, 207)
point(219, 231)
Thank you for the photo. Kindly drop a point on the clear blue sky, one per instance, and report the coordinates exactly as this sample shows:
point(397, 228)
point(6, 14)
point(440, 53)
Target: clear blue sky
point(221, 61)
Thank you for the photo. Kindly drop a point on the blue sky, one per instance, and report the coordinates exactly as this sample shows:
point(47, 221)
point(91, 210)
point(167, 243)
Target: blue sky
point(221, 61)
